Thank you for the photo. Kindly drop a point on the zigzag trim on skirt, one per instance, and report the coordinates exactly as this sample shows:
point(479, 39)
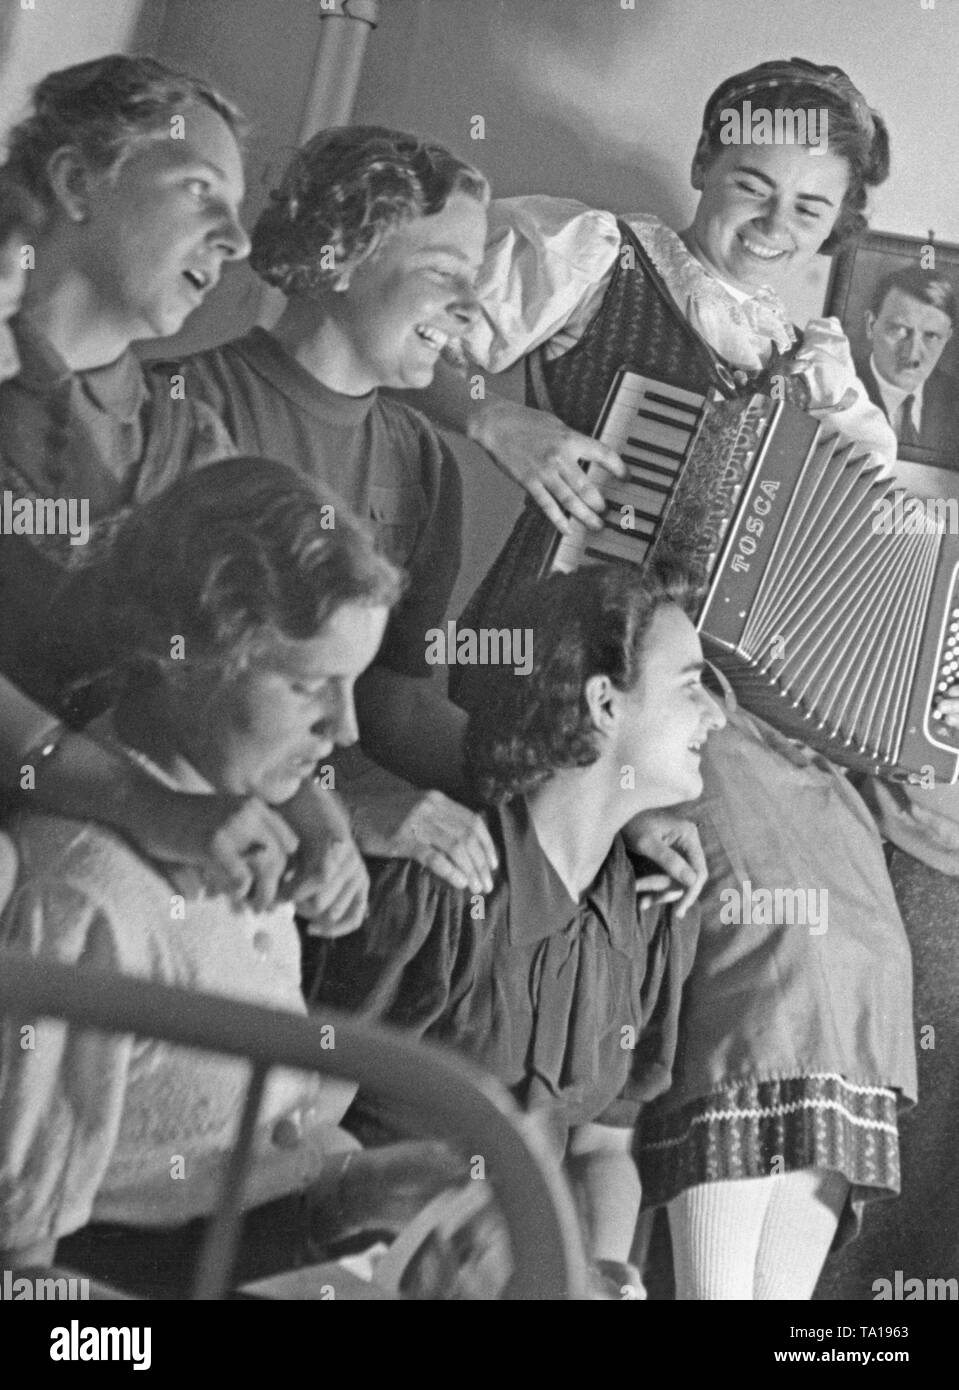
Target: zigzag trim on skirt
point(753, 1129)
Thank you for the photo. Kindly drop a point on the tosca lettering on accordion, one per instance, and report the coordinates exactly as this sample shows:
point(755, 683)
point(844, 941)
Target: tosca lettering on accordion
point(827, 626)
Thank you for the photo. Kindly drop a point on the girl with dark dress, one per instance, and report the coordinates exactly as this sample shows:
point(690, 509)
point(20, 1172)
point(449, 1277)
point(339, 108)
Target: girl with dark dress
point(557, 981)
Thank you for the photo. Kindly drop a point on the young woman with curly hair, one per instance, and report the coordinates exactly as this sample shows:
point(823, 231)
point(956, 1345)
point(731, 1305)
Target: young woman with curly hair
point(558, 981)
point(375, 237)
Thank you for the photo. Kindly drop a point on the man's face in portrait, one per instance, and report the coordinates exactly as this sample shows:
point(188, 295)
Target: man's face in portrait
point(907, 338)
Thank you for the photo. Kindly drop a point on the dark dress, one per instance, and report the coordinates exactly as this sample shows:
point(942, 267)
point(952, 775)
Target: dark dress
point(574, 1006)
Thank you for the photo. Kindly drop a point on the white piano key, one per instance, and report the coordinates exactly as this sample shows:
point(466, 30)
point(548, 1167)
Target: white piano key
point(646, 385)
point(643, 499)
point(619, 547)
point(650, 467)
point(666, 436)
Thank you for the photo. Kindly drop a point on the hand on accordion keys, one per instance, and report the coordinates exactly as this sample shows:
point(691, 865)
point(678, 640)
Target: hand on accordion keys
point(824, 360)
point(546, 458)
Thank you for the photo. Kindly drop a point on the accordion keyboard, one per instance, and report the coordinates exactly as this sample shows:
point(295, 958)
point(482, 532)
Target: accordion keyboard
point(650, 425)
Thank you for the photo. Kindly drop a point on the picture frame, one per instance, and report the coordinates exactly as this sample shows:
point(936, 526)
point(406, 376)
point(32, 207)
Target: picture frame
point(856, 273)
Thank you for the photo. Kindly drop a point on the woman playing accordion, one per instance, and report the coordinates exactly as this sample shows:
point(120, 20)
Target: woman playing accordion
point(796, 1045)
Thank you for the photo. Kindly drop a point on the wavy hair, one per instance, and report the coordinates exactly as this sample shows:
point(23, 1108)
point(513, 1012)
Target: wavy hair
point(230, 558)
point(856, 132)
point(345, 190)
point(523, 729)
point(103, 109)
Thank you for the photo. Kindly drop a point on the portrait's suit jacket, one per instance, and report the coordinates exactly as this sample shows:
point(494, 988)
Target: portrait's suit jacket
point(940, 411)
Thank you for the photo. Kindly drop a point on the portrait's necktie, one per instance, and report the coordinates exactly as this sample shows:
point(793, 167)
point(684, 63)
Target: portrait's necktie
point(908, 434)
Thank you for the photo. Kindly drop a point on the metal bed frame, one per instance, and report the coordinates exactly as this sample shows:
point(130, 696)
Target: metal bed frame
point(457, 1102)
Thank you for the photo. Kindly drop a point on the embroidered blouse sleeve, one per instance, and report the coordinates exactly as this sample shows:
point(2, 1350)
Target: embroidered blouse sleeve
point(548, 262)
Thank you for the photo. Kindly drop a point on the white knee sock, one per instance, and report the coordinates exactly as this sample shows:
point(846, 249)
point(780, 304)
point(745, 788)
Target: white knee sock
point(715, 1229)
point(801, 1220)
point(755, 1238)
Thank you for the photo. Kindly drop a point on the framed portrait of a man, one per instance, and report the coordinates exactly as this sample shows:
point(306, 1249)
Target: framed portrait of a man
point(898, 300)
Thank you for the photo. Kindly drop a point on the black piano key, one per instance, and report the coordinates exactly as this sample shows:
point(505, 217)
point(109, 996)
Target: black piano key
point(677, 455)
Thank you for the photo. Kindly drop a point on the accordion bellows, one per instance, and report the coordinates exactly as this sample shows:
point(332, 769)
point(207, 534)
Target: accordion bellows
point(833, 625)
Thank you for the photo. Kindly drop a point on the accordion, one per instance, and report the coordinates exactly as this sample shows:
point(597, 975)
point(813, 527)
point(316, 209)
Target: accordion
point(830, 599)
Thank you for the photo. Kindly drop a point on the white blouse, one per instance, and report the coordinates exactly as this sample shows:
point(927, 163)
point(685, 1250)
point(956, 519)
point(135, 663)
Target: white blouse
point(548, 264)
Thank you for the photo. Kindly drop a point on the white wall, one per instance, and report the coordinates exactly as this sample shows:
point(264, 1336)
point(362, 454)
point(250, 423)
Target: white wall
point(39, 36)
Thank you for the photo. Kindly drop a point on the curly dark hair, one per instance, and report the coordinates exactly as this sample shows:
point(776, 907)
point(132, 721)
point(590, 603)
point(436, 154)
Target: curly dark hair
point(522, 729)
point(103, 109)
point(346, 189)
point(856, 132)
point(229, 558)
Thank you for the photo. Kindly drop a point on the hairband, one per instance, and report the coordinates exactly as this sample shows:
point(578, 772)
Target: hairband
point(768, 76)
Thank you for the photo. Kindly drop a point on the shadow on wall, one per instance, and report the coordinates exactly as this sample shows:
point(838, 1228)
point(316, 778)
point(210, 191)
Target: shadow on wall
point(553, 81)
point(598, 113)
